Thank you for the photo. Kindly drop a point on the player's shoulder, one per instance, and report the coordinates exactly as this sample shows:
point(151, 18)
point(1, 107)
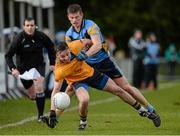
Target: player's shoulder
point(89, 23)
point(69, 31)
point(19, 36)
point(40, 34)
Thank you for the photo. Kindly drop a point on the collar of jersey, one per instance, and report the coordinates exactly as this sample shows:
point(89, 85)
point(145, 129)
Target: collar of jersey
point(28, 36)
point(82, 25)
point(72, 56)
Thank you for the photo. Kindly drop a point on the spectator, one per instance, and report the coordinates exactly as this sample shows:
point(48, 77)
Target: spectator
point(111, 44)
point(151, 62)
point(137, 48)
point(172, 58)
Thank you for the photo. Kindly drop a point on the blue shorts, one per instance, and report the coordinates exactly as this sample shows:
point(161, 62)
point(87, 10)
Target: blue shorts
point(97, 81)
point(108, 67)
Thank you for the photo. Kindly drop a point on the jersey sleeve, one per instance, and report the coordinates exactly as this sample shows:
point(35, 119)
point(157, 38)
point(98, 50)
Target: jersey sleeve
point(58, 77)
point(58, 74)
point(12, 51)
point(75, 46)
point(68, 35)
point(67, 39)
point(93, 29)
point(49, 45)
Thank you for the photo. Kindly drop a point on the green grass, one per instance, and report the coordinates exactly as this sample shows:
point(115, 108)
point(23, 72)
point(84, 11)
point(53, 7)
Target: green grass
point(112, 117)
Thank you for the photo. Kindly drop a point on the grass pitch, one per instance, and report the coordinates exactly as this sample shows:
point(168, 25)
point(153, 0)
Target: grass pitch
point(107, 115)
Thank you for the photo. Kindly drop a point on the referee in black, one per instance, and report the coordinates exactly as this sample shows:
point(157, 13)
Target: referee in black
point(28, 47)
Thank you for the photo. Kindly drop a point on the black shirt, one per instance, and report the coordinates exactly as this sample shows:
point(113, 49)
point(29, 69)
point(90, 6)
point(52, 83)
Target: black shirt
point(29, 51)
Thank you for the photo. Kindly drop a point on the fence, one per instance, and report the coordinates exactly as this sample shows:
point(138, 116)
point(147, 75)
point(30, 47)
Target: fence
point(12, 12)
point(14, 88)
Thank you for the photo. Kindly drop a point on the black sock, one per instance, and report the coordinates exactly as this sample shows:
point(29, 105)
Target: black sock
point(137, 106)
point(83, 118)
point(40, 103)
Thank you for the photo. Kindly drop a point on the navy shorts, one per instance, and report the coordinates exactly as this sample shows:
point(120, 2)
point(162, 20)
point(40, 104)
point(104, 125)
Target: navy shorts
point(28, 83)
point(98, 81)
point(108, 67)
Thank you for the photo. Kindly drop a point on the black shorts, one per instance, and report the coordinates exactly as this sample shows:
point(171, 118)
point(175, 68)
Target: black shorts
point(108, 67)
point(28, 83)
point(98, 81)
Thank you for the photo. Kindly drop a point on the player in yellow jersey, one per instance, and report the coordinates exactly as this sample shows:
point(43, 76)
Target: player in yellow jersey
point(80, 75)
point(98, 57)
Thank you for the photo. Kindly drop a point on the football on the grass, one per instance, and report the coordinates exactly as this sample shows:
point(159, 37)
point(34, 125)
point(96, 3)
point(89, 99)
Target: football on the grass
point(61, 100)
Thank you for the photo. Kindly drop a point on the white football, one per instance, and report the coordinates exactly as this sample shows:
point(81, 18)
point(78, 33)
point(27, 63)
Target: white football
point(61, 100)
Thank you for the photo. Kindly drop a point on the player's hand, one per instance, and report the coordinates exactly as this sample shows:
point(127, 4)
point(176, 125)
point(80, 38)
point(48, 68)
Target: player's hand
point(52, 119)
point(15, 72)
point(82, 55)
point(87, 43)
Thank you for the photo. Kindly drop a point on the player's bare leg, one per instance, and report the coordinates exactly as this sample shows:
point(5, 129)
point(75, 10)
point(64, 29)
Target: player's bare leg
point(136, 94)
point(31, 92)
point(112, 87)
point(83, 97)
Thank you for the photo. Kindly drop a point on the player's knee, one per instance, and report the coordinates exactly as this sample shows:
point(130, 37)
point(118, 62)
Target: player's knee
point(31, 93)
point(84, 100)
point(39, 88)
point(39, 84)
point(130, 89)
point(127, 88)
point(118, 91)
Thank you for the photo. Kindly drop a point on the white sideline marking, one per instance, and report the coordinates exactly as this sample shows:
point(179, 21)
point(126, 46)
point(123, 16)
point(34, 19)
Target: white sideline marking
point(166, 85)
point(68, 110)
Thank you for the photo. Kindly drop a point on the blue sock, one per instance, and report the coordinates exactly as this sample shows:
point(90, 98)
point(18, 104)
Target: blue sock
point(150, 108)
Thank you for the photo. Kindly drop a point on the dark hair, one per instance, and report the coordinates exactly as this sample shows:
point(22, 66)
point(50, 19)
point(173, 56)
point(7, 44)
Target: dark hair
point(151, 33)
point(137, 30)
point(74, 8)
point(28, 19)
point(61, 46)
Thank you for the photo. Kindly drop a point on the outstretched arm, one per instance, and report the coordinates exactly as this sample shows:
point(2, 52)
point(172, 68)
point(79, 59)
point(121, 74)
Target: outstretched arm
point(51, 120)
point(91, 47)
point(96, 45)
point(87, 43)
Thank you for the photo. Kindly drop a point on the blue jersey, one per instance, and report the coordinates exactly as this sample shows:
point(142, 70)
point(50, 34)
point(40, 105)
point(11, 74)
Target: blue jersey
point(152, 51)
point(88, 29)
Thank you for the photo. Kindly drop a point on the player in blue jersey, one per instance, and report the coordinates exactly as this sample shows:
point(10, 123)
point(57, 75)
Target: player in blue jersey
point(97, 55)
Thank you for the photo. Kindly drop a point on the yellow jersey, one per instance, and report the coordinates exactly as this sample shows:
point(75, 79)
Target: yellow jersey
point(74, 70)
